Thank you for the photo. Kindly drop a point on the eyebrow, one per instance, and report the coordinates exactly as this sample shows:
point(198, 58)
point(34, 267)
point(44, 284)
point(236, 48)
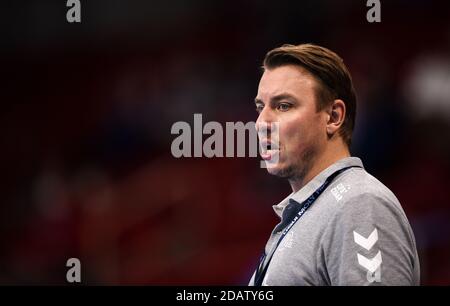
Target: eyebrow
point(276, 98)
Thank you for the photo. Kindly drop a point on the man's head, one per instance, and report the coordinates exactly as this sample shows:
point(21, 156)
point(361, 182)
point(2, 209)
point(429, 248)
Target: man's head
point(308, 90)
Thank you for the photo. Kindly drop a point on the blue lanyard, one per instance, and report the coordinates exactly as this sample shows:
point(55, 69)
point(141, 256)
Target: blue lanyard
point(262, 268)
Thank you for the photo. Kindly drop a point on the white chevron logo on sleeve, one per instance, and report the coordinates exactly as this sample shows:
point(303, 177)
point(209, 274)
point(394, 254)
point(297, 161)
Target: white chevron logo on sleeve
point(368, 242)
point(370, 264)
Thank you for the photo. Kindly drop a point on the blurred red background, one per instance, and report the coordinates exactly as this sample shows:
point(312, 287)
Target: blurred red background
point(85, 137)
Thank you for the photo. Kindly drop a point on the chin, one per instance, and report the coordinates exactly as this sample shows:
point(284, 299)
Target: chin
point(273, 170)
point(277, 170)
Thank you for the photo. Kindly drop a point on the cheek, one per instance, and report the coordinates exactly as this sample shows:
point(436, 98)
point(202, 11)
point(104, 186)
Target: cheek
point(292, 133)
point(300, 132)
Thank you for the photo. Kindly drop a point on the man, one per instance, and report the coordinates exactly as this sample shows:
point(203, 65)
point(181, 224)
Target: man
point(340, 225)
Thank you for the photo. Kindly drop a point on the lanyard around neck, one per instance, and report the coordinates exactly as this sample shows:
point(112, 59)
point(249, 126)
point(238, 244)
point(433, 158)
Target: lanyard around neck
point(265, 260)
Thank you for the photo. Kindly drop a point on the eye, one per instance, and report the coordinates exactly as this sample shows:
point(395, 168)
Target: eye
point(283, 107)
point(259, 108)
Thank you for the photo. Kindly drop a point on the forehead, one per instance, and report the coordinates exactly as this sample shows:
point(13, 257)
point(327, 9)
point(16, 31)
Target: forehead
point(286, 79)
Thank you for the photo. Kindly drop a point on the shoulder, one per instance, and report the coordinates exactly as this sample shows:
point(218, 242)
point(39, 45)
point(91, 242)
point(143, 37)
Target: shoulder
point(364, 203)
point(366, 207)
point(368, 229)
point(359, 190)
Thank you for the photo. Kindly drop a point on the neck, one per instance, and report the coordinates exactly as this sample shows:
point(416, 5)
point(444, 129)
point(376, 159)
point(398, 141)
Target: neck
point(320, 163)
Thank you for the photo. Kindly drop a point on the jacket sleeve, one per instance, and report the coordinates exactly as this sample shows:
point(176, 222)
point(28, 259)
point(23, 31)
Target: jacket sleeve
point(369, 242)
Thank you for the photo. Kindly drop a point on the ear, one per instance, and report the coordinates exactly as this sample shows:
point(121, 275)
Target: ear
point(336, 115)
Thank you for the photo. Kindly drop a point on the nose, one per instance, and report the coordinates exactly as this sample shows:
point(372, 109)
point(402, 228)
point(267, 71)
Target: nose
point(264, 121)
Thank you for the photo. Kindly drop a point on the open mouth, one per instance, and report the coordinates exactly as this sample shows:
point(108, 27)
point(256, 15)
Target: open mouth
point(268, 149)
